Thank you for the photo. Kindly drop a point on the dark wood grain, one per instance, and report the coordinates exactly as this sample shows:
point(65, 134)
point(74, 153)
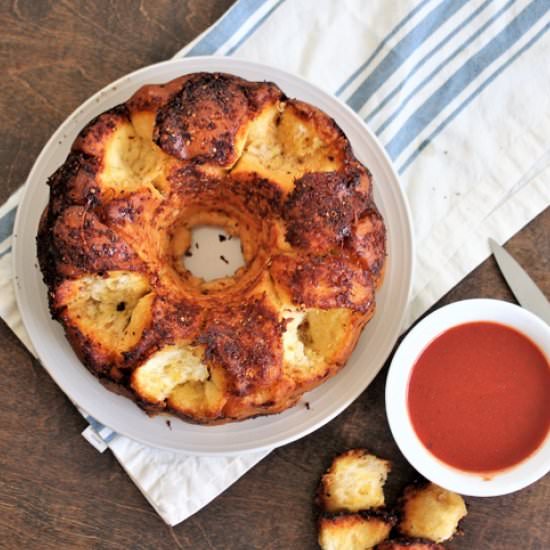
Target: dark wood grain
point(56, 491)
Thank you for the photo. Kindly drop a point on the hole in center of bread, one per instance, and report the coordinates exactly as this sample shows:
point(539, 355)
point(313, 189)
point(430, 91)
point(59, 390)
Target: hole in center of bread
point(213, 253)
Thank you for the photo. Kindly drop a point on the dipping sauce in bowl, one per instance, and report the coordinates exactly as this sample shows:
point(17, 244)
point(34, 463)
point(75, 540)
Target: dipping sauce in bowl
point(479, 397)
point(468, 397)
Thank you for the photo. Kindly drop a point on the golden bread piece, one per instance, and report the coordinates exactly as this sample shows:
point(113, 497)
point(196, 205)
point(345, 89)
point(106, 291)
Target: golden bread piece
point(358, 531)
point(212, 149)
point(409, 544)
point(431, 512)
point(354, 481)
point(104, 316)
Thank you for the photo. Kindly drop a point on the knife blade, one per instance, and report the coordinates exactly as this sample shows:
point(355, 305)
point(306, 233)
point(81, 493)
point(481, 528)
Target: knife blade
point(527, 293)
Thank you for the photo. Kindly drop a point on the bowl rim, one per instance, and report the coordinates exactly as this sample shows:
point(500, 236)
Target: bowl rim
point(512, 479)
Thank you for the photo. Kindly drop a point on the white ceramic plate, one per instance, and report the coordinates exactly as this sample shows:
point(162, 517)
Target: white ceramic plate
point(125, 417)
point(506, 481)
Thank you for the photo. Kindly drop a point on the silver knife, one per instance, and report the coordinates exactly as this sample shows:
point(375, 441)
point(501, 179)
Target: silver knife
point(527, 293)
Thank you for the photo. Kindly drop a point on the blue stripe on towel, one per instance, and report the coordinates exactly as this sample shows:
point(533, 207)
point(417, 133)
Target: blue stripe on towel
point(426, 113)
point(445, 62)
point(7, 251)
point(434, 50)
point(401, 52)
point(226, 27)
point(393, 32)
point(6, 223)
point(109, 437)
point(97, 426)
point(470, 98)
point(254, 28)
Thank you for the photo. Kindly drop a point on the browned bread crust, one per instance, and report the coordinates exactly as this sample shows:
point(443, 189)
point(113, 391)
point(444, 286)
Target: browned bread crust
point(409, 544)
point(212, 148)
point(354, 531)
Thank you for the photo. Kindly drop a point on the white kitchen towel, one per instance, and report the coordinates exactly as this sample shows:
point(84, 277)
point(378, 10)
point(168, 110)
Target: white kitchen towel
point(457, 92)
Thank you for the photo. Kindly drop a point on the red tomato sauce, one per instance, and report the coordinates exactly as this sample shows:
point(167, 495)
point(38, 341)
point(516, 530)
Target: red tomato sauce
point(479, 397)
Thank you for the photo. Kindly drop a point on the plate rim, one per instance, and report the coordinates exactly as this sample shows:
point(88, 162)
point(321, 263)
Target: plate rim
point(230, 62)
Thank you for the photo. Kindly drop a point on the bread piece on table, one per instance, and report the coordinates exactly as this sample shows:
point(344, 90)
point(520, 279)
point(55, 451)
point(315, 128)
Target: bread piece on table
point(409, 544)
point(354, 482)
point(358, 531)
point(430, 512)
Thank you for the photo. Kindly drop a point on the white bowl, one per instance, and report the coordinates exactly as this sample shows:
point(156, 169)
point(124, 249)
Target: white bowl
point(468, 483)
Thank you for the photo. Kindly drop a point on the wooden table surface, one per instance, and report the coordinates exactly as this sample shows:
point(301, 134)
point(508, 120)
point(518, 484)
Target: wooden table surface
point(56, 491)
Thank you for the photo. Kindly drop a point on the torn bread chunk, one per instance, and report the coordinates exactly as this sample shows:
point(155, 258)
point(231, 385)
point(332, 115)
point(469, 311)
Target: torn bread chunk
point(431, 512)
point(111, 309)
point(354, 482)
point(167, 369)
point(409, 544)
point(358, 531)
